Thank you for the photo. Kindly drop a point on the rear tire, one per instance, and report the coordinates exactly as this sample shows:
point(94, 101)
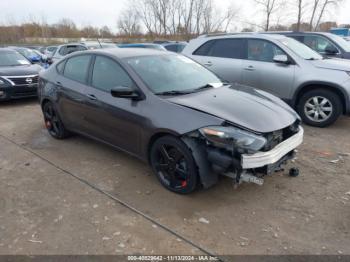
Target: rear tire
point(53, 122)
point(319, 107)
point(174, 165)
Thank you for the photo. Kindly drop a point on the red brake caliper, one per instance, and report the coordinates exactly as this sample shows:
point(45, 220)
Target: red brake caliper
point(48, 124)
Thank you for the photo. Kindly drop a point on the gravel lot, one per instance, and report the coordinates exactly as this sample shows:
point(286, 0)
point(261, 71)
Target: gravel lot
point(46, 209)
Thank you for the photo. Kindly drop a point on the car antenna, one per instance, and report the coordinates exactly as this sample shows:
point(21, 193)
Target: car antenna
point(98, 40)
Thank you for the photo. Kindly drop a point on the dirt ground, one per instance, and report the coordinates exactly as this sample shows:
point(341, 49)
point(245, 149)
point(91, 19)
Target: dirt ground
point(55, 198)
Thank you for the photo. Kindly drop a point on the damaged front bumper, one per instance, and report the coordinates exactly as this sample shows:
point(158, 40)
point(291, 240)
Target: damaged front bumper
point(213, 161)
point(262, 159)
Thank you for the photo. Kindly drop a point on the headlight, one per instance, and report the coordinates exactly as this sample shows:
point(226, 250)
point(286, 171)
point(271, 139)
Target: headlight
point(233, 138)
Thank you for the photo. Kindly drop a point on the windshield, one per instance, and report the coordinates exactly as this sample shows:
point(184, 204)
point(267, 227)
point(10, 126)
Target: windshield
point(340, 41)
point(12, 58)
point(27, 52)
point(169, 73)
point(300, 49)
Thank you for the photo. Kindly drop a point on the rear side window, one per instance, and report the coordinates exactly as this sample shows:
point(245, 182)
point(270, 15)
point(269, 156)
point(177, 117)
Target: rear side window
point(77, 68)
point(108, 74)
point(225, 48)
point(62, 51)
point(172, 48)
point(204, 49)
point(66, 50)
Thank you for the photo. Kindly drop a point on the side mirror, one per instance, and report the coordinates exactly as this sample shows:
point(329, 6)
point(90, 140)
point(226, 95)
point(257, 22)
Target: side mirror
point(125, 92)
point(281, 59)
point(331, 50)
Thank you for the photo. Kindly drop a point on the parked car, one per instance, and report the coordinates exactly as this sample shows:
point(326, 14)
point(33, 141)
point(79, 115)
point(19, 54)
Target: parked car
point(66, 49)
point(176, 47)
point(49, 51)
point(167, 109)
point(143, 45)
point(318, 88)
point(18, 77)
point(326, 44)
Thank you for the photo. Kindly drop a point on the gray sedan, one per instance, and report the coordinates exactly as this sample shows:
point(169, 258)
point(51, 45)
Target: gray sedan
point(171, 112)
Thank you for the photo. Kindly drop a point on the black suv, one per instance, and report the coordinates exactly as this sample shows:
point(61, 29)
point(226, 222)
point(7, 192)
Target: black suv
point(326, 44)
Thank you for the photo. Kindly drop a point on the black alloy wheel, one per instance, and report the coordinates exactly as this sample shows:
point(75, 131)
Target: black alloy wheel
point(174, 165)
point(53, 122)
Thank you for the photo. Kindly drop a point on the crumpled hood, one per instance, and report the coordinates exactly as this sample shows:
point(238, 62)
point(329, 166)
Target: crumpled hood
point(242, 106)
point(20, 70)
point(333, 64)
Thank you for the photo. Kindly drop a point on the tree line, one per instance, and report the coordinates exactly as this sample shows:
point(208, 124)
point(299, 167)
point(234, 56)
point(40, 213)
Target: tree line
point(194, 17)
point(35, 28)
point(185, 19)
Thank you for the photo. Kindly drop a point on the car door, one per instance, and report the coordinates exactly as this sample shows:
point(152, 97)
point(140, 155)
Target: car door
point(260, 70)
point(70, 83)
point(223, 57)
point(113, 120)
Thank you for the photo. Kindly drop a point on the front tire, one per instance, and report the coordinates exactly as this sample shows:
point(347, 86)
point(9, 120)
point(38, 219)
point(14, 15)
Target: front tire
point(319, 107)
point(53, 122)
point(174, 165)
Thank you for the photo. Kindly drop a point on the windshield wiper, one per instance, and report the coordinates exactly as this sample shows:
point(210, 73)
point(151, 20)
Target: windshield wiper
point(312, 59)
point(185, 92)
point(207, 86)
point(173, 93)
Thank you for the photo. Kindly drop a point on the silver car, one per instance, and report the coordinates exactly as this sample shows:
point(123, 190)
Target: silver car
point(318, 88)
point(66, 49)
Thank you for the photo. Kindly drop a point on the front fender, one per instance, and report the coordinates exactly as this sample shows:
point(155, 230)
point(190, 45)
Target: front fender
point(339, 89)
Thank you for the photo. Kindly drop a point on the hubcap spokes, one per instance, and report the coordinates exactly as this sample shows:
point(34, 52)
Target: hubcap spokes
point(318, 109)
point(172, 167)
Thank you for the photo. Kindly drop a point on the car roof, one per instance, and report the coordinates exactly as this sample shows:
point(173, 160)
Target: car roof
point(300, 33)
point(245, 35)
point(174, 43)
point(140, 44)
point(6, 49)
point(72, 44)
point(127, 52)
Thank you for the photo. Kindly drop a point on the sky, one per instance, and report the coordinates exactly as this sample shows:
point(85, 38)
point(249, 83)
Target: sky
point(105, 12)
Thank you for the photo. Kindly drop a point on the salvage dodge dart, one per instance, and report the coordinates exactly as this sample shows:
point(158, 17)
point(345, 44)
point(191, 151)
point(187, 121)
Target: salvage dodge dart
point(172, 112)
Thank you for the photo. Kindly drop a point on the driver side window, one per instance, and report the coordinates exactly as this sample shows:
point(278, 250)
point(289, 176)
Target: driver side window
point(264, 51)
point(108, 74)
point(319, 44)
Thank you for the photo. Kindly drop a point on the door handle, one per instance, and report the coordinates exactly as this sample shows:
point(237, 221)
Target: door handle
point(58, 83)
point(250, 68)
point(208, 63)
point(91, 97)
